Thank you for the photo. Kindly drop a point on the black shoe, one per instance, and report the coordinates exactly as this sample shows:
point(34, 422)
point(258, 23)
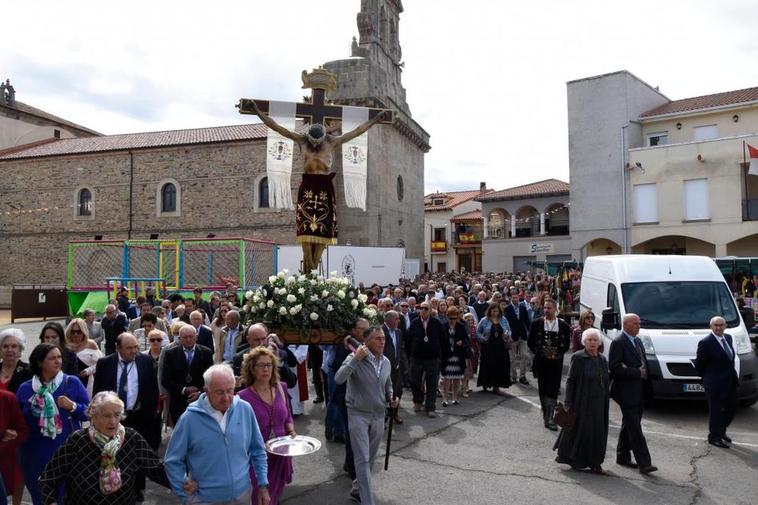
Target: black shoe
point(523, 381)
point(328, 434)
point(318, 399)
point(648, 469)
point(726, 439)
point(627, 463)
point(355, 496)
point(562, 461)
point(339, 438)
point(719, 443)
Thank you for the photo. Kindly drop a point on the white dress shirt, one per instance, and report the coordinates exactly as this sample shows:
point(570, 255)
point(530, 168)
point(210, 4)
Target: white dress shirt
point(132, 381)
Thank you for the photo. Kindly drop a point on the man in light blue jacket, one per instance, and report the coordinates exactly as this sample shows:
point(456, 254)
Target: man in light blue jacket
point(215, 443)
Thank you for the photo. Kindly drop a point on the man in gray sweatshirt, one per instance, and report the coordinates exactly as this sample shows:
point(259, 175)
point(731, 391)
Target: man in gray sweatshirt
point(369, 389)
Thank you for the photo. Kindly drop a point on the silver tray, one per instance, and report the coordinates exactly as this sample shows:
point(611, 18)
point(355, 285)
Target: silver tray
point(289, 446)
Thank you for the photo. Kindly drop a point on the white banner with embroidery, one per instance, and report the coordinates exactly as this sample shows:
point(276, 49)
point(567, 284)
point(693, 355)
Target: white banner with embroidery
point(355, 157)
point(279, 155)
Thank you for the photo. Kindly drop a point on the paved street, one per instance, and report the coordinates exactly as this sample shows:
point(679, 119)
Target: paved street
point(493, 450)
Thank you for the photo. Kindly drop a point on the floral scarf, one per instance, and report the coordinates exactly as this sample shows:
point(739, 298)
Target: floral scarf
point(43, 406)
point(110, 474)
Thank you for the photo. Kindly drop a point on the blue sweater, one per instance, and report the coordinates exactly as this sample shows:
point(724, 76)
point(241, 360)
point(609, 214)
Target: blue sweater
point(219, 462)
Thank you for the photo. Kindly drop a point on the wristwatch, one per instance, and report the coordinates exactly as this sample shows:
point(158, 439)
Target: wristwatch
point(73, 408)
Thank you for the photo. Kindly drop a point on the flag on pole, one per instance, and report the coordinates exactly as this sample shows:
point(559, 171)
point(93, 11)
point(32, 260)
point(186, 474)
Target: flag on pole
point(354, 158)
point(753, 170)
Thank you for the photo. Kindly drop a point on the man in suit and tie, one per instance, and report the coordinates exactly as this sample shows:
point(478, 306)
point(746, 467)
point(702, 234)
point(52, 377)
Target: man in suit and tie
point(130, 373)
point(715, 364)
point(231, 338)
point(183, 369)
point(629, 371)
point(394, 350)
point(204, 333)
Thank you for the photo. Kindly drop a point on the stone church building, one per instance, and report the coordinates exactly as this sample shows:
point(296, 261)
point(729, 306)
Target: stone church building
point(192, 183)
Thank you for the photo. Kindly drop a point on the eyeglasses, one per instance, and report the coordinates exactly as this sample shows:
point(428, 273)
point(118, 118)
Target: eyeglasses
point(424, 308)
point(77, 332)
point(264, 365)
point(404, 306)
point(156, 340)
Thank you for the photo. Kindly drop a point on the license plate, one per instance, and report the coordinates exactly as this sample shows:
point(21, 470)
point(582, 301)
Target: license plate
point(693, 388)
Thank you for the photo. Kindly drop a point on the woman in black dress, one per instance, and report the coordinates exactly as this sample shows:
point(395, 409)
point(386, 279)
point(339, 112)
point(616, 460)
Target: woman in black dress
point(587, 393)
point(454, 367)
point(494, 336)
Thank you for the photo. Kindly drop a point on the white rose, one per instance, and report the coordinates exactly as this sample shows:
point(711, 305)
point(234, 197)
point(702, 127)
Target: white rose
point(291, 280)
point(253, 310)
point(283, 291)
point(362, 297)
point(371, 312)
point(329, 308)
point(256, 298)
point(354, 303)
point(248, 294)
point(281, 274)
point(314, 298)
point(333, 273)
point(293, 311)
point(324, 294)
point(270, 303)
point(301, 291)
point(261, 305)
point(291, 298)
point(283, 311)
point(366, 312)
point(301, 278)
point(286, 271)
point(271, 279)
point(299, 307)
point(313, 316)
point(340, 294)
point(314, 282)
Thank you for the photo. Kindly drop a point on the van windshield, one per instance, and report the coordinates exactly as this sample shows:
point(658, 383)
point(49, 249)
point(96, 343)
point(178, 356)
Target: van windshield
point(679, 304)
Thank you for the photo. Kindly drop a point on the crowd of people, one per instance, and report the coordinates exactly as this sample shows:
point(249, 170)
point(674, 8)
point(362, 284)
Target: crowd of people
point(82, 421)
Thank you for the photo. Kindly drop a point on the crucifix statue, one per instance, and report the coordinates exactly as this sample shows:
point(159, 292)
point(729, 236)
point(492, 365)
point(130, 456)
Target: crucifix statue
point(315, 213)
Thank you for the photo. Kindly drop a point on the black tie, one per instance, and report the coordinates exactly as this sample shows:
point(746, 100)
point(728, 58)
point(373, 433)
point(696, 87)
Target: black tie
point(123, 381)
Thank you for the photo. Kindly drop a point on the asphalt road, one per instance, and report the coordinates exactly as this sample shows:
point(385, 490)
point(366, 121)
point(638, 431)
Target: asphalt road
point(494, 450)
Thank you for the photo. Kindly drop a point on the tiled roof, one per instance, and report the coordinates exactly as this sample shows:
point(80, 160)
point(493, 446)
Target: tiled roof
point(705, 102)
point(451, 198)
point(143, 140)
point(548, 187)
point(468, 216)
point(34, 111)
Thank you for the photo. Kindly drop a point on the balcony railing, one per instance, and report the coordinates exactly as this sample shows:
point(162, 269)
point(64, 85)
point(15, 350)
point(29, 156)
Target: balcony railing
point(439, 246)
point(500, 232)
point(750, 209)
point(472, 237)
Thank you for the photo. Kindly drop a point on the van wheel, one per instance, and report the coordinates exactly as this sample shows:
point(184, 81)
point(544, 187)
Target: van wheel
point(749, 402)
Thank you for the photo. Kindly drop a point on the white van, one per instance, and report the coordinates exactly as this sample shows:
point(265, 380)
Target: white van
point(675, 297)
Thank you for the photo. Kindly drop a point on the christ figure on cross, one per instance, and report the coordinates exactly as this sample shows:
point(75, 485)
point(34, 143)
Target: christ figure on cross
point(316, 211)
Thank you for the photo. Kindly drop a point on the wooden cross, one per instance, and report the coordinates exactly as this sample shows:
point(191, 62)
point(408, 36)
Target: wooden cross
point(318, 110)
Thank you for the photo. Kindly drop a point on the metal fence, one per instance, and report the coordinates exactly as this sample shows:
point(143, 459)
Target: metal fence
point(180, 264)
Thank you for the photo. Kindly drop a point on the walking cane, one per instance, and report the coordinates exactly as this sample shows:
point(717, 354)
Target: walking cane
point(393, 412)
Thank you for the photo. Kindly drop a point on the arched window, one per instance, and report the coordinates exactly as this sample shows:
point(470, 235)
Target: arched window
point(400, 188)
point(168, 198)
point(263, 193)
point(84, 203)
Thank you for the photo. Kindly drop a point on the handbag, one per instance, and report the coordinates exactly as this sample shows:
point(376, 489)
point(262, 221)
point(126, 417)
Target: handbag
point(564, 417)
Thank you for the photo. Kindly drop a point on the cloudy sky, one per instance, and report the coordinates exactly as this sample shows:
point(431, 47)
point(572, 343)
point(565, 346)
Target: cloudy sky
point(486, 78)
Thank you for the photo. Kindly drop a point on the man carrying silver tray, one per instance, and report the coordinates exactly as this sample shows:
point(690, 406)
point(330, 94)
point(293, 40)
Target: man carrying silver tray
point(369, 389)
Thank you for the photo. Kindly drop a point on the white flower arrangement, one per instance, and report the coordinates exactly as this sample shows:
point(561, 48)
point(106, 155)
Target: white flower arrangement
point(307, 302)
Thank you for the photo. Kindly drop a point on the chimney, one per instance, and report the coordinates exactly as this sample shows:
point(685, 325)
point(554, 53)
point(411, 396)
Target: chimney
point(482, 187)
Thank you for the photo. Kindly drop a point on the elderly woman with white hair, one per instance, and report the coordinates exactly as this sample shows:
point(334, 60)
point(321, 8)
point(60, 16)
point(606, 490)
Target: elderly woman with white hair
point(98, 465)
point(13, 371)
point(587, 393)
